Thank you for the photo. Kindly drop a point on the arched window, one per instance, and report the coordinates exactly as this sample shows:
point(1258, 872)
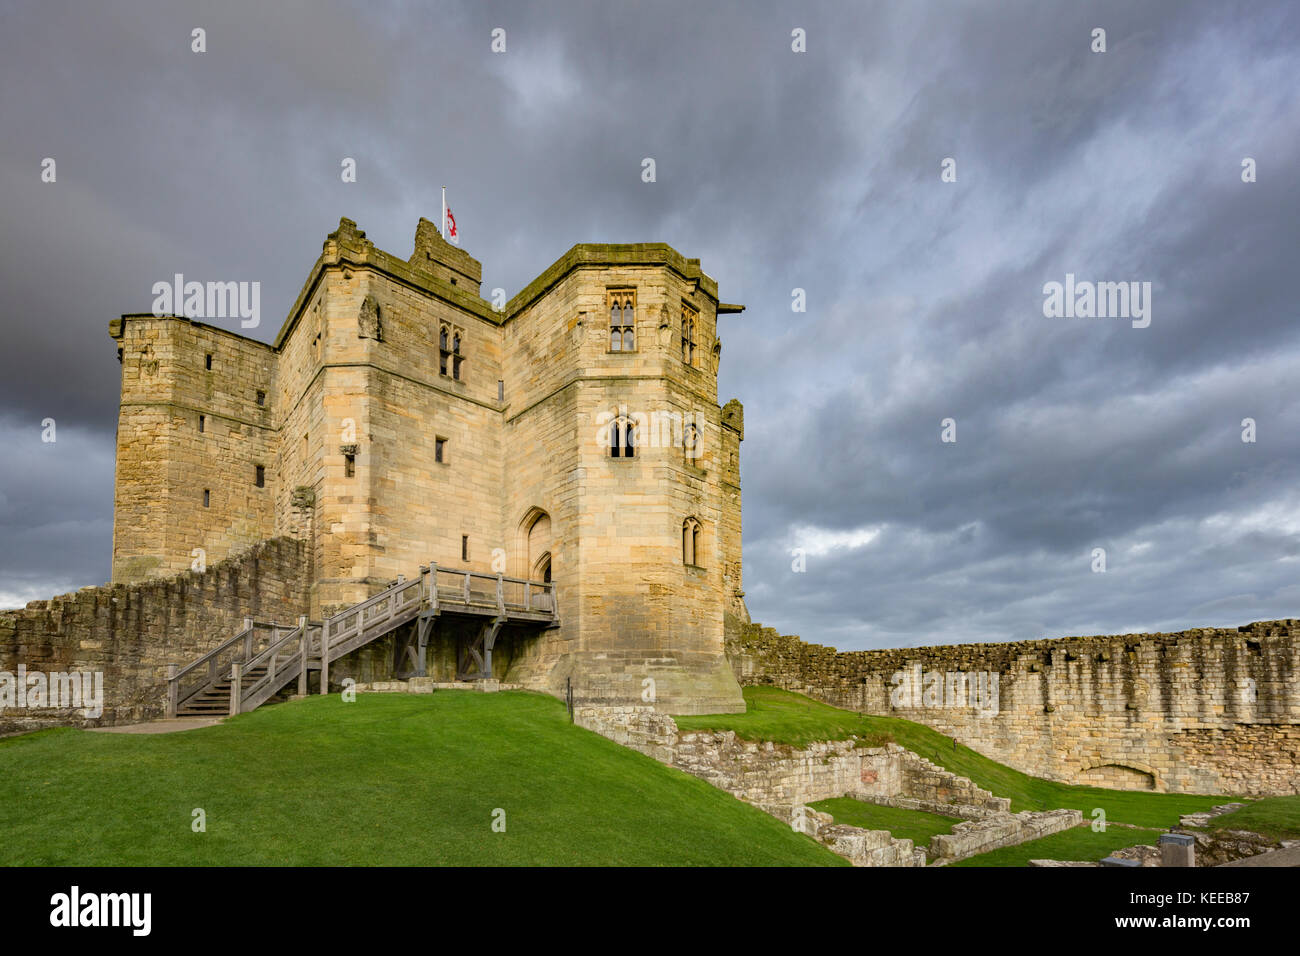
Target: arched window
point(622, 320)
point(450, 361)
point(688, 334)
point(622, 438)
point(691, 555)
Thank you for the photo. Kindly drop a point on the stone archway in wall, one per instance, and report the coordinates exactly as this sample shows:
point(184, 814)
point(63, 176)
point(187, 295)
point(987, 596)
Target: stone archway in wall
point(1120, 776)
point(534, 545)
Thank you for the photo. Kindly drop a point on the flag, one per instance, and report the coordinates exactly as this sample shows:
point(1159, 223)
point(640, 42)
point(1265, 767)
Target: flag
point(448, 221)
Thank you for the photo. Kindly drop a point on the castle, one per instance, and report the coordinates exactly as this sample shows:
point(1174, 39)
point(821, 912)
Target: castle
point(570, 436)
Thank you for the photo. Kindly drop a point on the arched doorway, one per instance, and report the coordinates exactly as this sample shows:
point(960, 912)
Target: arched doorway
point(542, 569)
point(535, 550)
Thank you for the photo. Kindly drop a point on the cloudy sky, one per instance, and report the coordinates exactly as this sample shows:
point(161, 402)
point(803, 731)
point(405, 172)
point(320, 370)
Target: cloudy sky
point(781, 170)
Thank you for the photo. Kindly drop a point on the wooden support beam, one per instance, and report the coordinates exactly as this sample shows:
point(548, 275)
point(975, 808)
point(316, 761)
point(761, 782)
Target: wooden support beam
point(304, 643)
point(236, 687)
point(490, 632)
point(172, 690)
point(325, 658)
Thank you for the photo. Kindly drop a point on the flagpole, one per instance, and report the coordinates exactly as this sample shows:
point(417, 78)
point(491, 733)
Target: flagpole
point(444, 213)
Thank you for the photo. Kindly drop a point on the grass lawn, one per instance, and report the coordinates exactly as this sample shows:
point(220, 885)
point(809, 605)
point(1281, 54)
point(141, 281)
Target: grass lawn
point(389, 779)
point(1077, 843)
point(792, 718)
point(1275, 817)
point(915, 825)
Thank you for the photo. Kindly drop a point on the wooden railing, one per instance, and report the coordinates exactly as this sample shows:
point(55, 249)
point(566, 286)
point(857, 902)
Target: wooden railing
point(284, 652)
point(283, 660)
point(217, 664)
point(448, 590)
point(343, 633)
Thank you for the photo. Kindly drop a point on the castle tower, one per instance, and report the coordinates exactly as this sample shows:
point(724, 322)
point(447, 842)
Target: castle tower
point(573, 435)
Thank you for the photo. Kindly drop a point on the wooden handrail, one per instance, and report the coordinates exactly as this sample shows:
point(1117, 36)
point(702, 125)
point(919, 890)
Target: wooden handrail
point(342, 632)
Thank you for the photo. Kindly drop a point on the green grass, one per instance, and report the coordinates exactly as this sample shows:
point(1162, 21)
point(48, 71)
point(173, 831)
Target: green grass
point(791, 718)
point(389, 779)
point(787, 718)
point(915, 825)
point(1077, 843)
point(1275, 817)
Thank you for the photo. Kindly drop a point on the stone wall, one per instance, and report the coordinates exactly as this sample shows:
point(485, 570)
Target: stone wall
point(1203, 711)
point(131, 633)
point(190, 425)
point(971, 837)
point(781, 780)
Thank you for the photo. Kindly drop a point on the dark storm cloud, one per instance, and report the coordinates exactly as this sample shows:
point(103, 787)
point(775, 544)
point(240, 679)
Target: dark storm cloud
point(818, 171)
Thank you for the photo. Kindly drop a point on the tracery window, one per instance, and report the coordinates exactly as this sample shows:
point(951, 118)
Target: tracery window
point(622, 320)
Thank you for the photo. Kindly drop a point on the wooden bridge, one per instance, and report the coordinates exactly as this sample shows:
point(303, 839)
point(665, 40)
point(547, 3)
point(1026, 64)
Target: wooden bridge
point(264, 657)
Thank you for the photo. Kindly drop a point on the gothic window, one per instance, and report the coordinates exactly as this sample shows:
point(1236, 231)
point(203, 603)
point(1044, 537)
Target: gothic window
point(622, 438)
point(450, 360)
point(691, 543)
point(622, 320)
point(689, 318)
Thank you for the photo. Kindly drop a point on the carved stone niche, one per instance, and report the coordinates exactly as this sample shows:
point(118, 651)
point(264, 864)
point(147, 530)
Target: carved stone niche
point(666, 327)
point(369, 322)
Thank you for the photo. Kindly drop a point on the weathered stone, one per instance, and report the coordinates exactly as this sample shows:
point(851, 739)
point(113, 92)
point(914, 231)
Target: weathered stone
point(1211, 710)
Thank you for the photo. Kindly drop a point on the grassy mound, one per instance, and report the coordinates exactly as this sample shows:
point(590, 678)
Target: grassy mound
point(389, 779)
point(792, 718)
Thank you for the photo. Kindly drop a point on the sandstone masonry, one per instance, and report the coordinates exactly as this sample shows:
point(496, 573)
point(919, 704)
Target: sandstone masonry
point(781, 780)
point(1203, 711)
point(132, 632)
point(399, 419)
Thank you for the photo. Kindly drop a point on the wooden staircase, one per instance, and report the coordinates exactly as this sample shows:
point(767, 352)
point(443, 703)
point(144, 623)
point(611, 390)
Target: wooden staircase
point(213, 700)
point(264, 658)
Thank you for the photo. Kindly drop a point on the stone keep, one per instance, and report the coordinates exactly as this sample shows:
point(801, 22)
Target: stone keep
point(399, 418)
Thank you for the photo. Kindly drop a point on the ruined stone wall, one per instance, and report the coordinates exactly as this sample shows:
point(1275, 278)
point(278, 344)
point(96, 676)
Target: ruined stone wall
point(1203, 711)
point(132, 632)
point(781, 780)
